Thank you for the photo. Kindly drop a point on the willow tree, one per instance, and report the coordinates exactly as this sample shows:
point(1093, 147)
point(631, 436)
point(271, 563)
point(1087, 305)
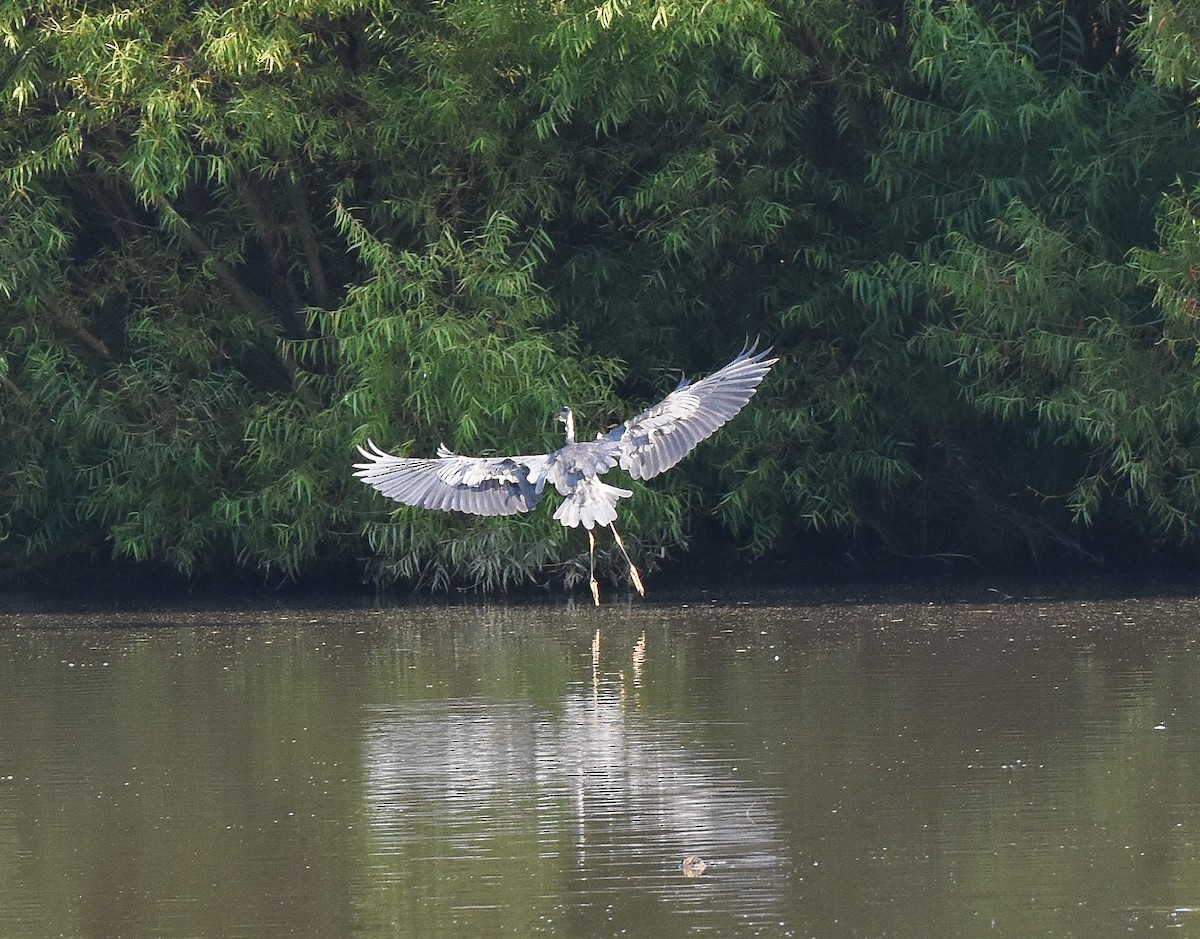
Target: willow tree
point(1169, 37)
point(1046, 153)
point(992, 322)
point(939, 202)
point(239, 238)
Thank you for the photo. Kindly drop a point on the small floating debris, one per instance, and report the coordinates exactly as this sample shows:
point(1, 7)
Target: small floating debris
point(693, 865)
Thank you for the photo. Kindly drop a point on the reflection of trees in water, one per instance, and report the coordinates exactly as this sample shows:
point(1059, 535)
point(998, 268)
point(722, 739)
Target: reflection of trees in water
point(598, 791)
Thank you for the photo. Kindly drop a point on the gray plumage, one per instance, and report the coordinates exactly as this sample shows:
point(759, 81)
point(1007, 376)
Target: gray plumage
point(643, 446)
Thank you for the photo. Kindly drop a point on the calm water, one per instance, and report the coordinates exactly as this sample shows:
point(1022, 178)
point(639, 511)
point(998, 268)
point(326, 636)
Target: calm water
point(1015, 769)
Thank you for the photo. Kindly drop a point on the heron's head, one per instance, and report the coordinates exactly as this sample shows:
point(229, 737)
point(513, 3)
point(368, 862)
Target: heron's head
point(567, 417)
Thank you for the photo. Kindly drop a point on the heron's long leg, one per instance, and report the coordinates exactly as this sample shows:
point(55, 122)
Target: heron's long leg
point(592, 582)
point(633, 571)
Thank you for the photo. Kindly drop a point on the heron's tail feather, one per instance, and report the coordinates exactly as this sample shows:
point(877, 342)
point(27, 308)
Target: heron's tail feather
point(591, 503)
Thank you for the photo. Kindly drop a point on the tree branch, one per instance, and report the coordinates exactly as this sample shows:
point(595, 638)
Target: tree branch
point(224, 275)
point(308, 241)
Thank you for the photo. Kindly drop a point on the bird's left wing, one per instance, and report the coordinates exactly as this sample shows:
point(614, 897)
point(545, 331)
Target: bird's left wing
point(664, 434)
point(502, 485)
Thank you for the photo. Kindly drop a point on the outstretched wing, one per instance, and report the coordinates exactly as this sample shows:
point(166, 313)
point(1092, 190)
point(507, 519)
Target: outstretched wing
point(502, 485)
point(661, 436)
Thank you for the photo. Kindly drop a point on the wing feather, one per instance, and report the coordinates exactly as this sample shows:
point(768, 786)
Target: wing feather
point(479, 485)
point(662, 435)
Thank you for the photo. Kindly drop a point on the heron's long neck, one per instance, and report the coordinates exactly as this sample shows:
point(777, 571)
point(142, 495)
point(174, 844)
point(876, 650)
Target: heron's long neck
point(570, 422)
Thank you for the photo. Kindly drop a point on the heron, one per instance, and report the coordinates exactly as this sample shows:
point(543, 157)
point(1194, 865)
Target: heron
point(644, 446)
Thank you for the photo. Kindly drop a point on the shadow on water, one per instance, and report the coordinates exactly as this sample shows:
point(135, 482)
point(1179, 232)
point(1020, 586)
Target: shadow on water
point(889, 768)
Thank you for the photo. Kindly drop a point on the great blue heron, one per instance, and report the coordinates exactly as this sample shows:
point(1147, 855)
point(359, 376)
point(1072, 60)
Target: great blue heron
point(643, 446)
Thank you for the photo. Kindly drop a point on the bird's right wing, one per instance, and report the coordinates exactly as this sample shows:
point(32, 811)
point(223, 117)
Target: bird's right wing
point(664, 434)
point(503, 485)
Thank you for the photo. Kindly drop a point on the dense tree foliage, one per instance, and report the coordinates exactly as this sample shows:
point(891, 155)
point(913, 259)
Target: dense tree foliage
point(240, 238)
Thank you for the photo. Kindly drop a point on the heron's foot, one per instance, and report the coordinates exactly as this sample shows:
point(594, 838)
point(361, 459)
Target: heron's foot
point(637, 580)
point(633, 571)
point(592, 582)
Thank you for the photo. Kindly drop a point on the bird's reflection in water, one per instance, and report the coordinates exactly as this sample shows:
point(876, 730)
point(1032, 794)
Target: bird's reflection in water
point(615, 794)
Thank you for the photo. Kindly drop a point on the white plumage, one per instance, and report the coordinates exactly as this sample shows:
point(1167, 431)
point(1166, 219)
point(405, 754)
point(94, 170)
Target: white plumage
point(643, 446)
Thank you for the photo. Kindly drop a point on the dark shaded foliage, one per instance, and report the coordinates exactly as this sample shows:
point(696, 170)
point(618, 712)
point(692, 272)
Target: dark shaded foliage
point(240, 238)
